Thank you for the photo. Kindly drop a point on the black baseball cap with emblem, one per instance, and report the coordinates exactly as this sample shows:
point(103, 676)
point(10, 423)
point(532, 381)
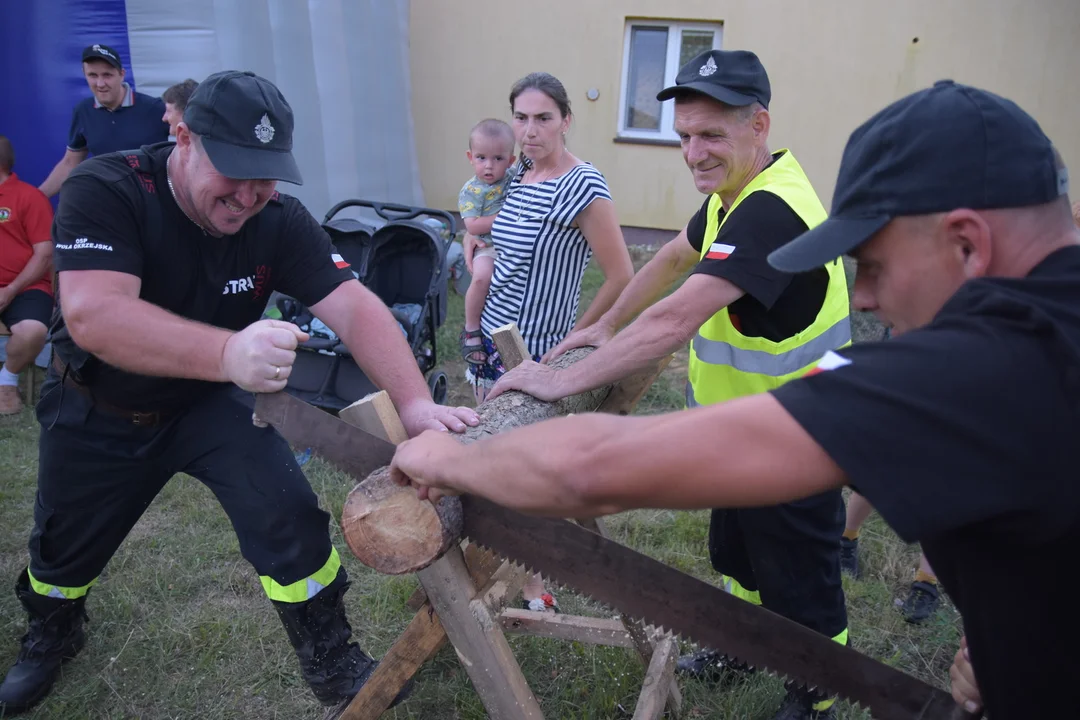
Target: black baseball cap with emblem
point(734, 77)
point(97, 51)
point(246, 126)
point(945, 147)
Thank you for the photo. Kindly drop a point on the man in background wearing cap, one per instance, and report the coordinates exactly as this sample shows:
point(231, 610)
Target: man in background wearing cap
point(115, 118)
point(166, 258)
point(753, 328)
point(961, 429)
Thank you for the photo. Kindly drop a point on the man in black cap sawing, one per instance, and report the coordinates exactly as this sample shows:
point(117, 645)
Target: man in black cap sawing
point(115, 118)
point(751, 328)
point(166, 257)
point(961, 429)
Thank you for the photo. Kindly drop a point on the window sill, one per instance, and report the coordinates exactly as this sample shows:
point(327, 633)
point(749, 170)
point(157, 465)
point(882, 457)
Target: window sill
point(646, 141)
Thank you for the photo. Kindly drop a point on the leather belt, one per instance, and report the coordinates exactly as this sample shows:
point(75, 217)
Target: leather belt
point(135, 417)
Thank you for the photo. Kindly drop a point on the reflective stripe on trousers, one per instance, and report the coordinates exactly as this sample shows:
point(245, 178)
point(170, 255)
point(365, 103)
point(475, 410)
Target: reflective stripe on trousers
point(309, 587)
point(760, 362)
point(58, 592)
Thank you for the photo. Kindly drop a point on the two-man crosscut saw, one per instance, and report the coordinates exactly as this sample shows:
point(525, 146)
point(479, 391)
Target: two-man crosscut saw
point(638, 586)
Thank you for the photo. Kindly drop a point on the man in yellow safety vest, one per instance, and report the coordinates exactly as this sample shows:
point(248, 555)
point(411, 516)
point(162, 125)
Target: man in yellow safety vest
point(752, 329)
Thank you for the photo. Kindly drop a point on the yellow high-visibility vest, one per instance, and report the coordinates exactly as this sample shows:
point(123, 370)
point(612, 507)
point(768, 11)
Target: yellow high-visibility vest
point(724, 363)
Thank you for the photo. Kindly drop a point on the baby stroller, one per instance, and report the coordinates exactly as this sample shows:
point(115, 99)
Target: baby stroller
point(401, 257)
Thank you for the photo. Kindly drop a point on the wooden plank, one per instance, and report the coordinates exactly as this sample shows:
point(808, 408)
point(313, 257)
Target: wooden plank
point(481, 563)
point(659, 679)
point(478, 639)
point(593, 631)
point(504, 586)
point(375, 414)
point(636, 630)
point(511, 346)
point(423, 637)
point(627, 393)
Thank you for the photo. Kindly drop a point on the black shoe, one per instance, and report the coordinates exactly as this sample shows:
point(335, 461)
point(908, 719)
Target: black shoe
point(849, 556)
point(55, 635)
point(335, 668)
point(922, 600)
point(711, 666)
point(799, 705)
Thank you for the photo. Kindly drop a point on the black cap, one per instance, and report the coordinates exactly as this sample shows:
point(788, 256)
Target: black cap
point(98, 51)
point(734, 77)
point(246, 127)
point(946, 147)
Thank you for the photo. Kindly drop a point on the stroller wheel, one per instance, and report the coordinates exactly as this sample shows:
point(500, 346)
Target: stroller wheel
point(438, 384)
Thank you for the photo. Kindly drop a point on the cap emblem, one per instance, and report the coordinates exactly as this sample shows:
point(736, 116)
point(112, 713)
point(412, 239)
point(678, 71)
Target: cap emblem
point(264, 131)
point(708, 68)
point(103, 51)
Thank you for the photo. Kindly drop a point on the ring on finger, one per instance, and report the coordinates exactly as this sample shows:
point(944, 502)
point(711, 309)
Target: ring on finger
point(277, 372)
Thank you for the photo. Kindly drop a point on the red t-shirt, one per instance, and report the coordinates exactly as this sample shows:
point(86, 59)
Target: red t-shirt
point(25, 220)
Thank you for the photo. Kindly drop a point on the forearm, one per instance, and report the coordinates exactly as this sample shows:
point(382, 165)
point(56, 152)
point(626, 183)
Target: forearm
point(654, 334)
point(598, 464)
point(39, 265)
point(479, 225)
point(142, 338)
point(56, 178)
point(377, 344)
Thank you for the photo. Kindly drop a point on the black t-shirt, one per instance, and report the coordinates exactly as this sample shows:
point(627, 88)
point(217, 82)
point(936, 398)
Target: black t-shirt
point(106, 221)
point(965, 436)
point(777, 305)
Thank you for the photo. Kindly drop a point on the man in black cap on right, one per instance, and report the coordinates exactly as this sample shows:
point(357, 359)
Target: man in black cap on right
point(167, 256)
point(751, 327)
point(115, 118)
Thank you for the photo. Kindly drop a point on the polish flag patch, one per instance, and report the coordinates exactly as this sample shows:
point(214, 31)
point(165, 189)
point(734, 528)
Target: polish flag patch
point(339, 261)
point(719, 251)
point(830, 361)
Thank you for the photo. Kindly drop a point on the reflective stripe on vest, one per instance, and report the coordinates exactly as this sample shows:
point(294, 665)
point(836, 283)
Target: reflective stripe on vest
point(717, 352)
point(305, 589)
point(724, 363)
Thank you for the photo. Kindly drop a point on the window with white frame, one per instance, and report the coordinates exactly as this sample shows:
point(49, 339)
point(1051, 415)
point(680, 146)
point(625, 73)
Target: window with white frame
point(653, 52)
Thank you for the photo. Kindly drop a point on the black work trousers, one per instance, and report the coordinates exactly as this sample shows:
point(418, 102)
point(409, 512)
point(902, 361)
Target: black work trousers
point(98, 472)
point(789, 554)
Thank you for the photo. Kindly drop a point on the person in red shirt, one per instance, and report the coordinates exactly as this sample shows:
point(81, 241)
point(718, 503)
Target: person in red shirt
point(26, 297)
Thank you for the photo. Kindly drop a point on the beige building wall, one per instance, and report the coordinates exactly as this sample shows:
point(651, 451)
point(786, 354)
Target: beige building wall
point(832, 64)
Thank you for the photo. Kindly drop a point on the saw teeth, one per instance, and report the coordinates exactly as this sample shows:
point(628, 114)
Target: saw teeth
point(677, 636)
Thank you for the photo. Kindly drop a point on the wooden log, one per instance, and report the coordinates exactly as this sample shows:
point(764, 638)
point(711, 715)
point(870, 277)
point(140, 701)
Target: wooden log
point(377, 522)
point(405, 535)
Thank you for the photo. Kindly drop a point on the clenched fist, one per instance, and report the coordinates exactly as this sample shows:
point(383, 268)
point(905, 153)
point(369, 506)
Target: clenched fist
point(260, 357)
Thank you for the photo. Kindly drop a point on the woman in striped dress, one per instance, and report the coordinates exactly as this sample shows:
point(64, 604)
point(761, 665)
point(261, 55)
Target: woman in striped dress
point(557, 214)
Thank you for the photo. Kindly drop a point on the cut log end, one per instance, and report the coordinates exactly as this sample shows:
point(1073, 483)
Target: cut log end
point(392, 531)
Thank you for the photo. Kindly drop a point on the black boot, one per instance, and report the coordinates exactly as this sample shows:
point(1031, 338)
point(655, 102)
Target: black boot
point(799, 705)
point(55, 635)
point(712, 667)
point(335, 668)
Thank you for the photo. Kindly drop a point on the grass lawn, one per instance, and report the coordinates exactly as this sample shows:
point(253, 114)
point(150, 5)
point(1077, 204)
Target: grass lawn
point(180, 627)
